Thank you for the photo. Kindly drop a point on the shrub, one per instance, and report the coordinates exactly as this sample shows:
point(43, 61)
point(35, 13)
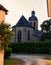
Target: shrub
point(7, 53)
point(31, 47)
point(49, 51)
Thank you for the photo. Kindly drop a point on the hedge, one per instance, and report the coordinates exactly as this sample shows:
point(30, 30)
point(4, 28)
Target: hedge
point(32, 47)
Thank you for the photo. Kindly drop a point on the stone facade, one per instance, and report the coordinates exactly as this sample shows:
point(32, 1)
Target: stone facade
point(24, 34)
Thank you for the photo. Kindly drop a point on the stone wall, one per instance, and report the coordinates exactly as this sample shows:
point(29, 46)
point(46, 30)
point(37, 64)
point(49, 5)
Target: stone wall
point(2, 16)
point(24, 31)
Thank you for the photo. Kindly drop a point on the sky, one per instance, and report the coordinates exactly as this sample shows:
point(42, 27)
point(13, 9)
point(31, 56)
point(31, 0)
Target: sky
point(17, 8)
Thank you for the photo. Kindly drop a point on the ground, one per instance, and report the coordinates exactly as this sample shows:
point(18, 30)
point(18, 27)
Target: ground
point(29, 60)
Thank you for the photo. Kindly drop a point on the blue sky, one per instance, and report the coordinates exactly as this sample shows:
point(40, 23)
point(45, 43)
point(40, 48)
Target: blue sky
point(17, 8)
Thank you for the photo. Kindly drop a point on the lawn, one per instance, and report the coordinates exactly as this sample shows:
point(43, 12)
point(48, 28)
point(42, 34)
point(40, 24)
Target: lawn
point(14, 61)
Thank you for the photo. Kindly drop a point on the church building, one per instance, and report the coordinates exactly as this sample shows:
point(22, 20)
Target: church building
point(26, 31)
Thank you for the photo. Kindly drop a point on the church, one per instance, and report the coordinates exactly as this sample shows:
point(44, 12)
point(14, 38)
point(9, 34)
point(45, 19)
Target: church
point(26, 30)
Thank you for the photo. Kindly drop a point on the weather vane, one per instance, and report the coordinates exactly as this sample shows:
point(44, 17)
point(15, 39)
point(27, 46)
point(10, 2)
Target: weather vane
point(49, 7)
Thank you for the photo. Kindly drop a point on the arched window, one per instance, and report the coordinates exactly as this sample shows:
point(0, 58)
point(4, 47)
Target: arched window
point(19, 36)
point(34, 25)
point(28, 35)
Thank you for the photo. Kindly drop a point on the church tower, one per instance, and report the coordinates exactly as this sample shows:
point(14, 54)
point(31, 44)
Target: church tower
point(33, 20)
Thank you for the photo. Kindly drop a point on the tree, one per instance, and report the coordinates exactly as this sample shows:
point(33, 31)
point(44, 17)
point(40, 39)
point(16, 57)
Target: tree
point(46, 28)
point(5, 36)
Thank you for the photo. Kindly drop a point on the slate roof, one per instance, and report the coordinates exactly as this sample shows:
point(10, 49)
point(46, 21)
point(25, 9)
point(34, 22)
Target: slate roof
point(22, 22)
point(33, 17)
point(37, 33)
point(3, 8)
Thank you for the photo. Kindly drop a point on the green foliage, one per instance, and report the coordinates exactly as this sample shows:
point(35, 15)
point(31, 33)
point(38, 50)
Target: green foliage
point(46, 25)
point(5, 36)
point(7, 52)
point(46, 36)
point(31, 47)
point(13, 61)
point(46, 28)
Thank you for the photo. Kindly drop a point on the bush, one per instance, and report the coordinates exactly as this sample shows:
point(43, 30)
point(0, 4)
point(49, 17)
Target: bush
point(49, 51)
point(7, 53)
point(32, 47)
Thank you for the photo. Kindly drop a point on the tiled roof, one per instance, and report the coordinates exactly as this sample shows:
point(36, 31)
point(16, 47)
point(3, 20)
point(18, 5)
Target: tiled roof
point(22, 22)
point(3, 8)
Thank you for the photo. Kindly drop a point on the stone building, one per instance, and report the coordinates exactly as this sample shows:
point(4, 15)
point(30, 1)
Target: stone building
point(26, 31)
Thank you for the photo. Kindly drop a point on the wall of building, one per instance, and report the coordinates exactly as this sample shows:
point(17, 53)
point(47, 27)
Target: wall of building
point(24, 31)
point(25, 34)
point(2, 16)
point(36, 24)
point(2, 57)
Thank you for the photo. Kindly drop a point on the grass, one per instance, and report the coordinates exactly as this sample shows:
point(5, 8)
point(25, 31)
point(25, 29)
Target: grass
point(13, 61)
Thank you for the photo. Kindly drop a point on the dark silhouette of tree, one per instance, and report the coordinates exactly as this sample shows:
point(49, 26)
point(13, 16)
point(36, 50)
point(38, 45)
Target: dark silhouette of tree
point(46, 28)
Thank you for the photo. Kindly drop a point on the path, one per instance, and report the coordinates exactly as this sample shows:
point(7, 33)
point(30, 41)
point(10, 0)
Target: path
point(31, 59)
